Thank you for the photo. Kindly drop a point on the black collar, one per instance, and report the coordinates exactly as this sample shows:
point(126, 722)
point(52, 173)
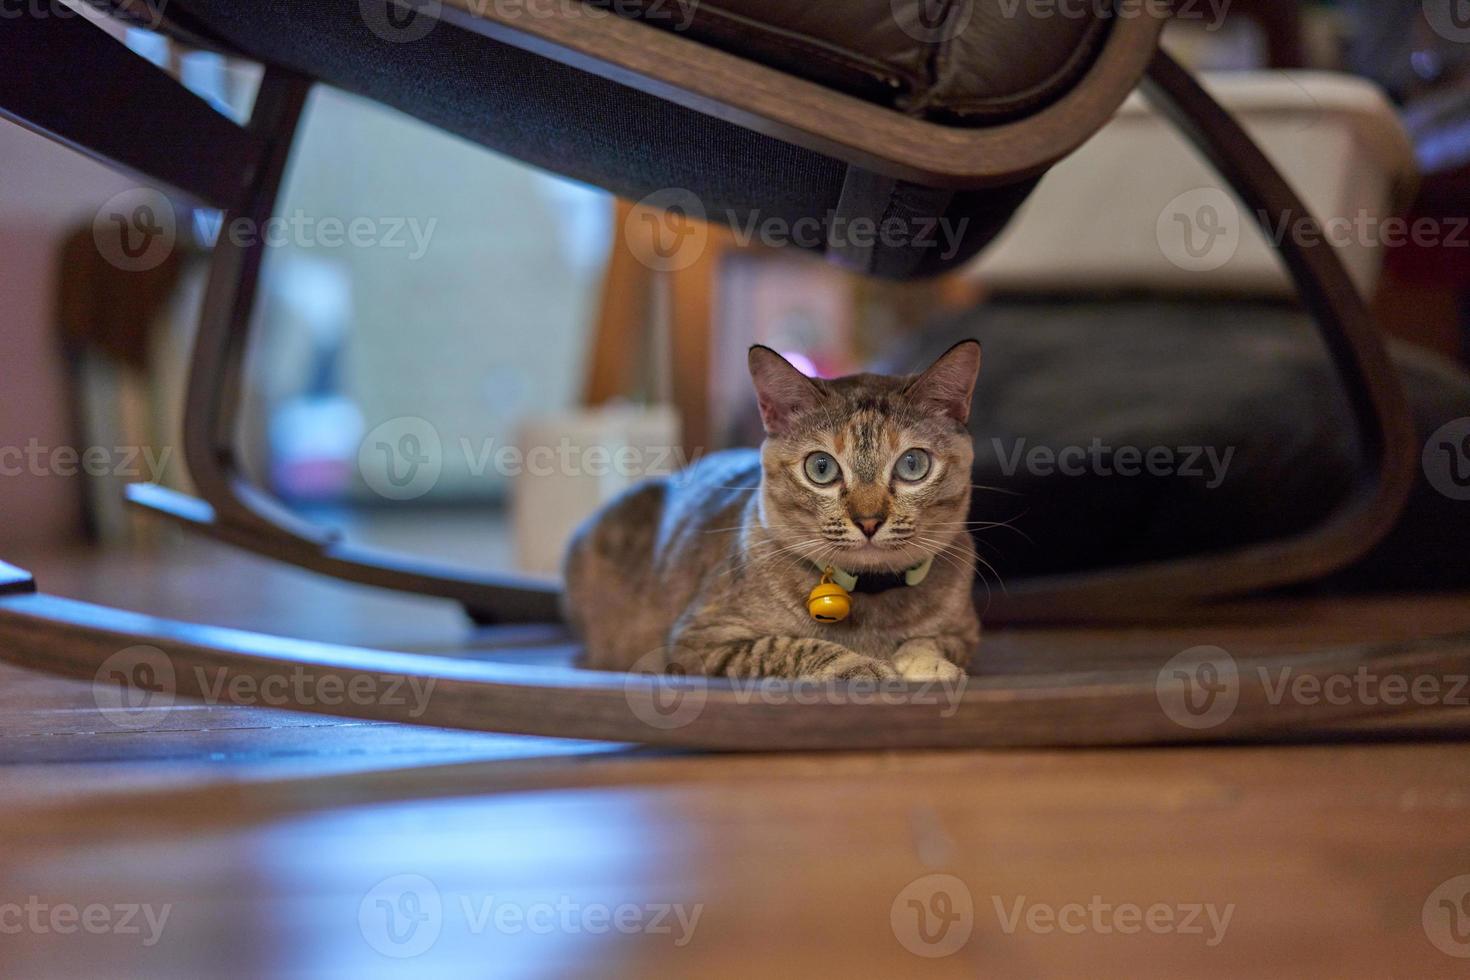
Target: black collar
point(871, 583)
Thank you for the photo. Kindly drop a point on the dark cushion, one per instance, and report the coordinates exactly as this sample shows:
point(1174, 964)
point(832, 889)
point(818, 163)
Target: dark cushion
point(1240, 394)
point(634, 144)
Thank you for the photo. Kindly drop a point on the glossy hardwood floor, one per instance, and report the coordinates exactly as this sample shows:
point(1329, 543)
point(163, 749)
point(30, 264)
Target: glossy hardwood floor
point(194, 840)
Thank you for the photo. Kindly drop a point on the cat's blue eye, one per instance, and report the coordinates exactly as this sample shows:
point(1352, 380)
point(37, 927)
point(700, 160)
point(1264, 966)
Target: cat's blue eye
point(912, 465)
point(822, 469)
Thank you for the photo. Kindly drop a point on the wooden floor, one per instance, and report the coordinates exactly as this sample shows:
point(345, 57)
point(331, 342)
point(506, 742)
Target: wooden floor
point(221, 840)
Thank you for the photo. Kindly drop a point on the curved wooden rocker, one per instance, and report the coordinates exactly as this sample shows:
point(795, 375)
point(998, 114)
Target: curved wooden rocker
point(1121, 707)
point(1083, 708)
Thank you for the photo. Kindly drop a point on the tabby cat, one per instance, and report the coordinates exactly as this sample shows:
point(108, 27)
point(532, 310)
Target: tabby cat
point(709, 570)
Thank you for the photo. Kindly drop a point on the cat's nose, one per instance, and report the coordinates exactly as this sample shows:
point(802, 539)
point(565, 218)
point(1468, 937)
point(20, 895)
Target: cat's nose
point(870, 524)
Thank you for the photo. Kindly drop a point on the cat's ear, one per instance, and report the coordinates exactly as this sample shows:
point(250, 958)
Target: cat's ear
point(781, 389)
point(949, 384)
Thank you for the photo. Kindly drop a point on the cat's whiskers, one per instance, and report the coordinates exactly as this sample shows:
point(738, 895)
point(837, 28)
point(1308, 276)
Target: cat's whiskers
point(937, 550)
point(984, 526)
point(807, 553)
point(753, 556)
point(1009, 493)
point(954, 551)
point(742, 527)
point(967, 570)
point(825, 556)
point(763, 552)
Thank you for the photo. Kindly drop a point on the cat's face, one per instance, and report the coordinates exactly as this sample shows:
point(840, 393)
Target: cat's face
point(867, 472)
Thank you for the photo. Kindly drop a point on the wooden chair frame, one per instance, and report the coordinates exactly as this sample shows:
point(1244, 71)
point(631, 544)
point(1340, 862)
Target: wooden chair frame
point(143, 133)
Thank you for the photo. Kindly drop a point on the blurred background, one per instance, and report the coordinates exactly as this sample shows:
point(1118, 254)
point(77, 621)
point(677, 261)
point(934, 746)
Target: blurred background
point(423, 288)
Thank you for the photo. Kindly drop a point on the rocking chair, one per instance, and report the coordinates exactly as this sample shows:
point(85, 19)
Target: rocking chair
point(873, 109)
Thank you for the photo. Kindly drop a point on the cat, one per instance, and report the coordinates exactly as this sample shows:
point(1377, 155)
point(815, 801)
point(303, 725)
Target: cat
point(708, 571)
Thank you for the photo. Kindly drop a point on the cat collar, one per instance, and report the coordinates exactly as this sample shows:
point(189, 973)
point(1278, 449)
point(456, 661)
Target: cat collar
point(830, 601)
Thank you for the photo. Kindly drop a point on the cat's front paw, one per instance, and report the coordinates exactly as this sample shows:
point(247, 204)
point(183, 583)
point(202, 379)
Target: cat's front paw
point(855, 666)
point(920, 660)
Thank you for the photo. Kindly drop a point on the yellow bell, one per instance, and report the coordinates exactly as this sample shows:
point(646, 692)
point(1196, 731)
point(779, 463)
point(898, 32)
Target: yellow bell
point(828, 602)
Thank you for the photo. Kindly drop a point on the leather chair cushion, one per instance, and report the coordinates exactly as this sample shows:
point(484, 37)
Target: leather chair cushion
point(967, 61)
